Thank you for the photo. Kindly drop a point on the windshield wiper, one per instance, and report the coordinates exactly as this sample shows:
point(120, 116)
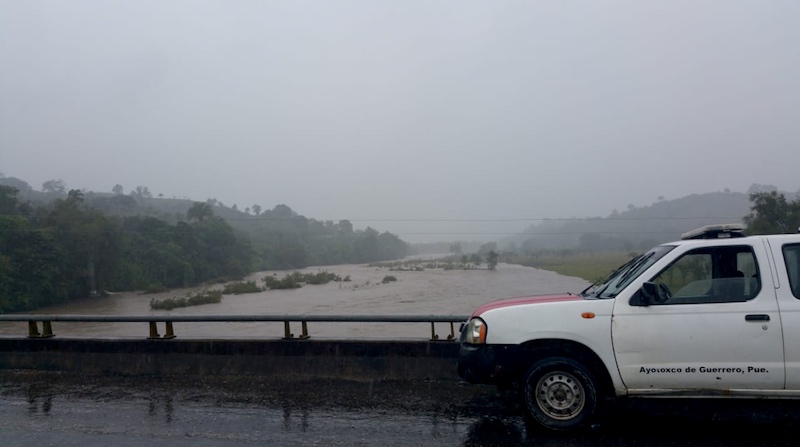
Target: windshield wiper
point(632, 270)
point(610, 276)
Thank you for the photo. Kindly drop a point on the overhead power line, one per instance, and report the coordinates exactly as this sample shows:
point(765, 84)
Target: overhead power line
point(422, 233)
point(531, 219)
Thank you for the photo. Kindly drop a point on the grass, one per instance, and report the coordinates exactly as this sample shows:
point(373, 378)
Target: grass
point(590, 267)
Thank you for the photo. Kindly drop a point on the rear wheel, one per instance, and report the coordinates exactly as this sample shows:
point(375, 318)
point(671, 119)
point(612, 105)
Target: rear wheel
point(560, 393)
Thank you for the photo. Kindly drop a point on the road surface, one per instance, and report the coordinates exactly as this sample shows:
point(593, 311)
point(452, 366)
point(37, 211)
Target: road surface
point(44, 409)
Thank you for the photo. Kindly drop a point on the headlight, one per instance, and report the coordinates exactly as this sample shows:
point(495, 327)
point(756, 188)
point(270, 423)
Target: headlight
point(476, 331)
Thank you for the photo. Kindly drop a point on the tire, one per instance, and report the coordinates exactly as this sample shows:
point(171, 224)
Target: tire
point(560, 393)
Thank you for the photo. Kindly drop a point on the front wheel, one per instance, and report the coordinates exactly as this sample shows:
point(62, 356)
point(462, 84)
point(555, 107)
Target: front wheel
point(560, 393)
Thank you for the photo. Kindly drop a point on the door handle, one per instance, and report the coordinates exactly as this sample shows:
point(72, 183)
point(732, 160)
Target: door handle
point(756, 317)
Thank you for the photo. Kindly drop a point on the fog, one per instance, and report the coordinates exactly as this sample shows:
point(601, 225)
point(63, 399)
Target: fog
point(397, 114)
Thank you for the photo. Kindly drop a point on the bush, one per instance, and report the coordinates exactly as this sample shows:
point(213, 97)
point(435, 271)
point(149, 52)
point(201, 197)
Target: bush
point(296, 280)
point(205, 297)
point(239, 288)
point(288, 282)
point(387, 279)
point(320, 278)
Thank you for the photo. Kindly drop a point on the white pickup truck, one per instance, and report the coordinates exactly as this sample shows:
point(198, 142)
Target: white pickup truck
point(716, 314)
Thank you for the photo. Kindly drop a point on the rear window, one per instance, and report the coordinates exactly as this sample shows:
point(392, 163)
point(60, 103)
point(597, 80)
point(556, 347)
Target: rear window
point(791, 256)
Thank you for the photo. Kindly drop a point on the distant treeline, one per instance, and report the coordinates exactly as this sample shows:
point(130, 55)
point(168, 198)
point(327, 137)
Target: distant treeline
point(51, 252)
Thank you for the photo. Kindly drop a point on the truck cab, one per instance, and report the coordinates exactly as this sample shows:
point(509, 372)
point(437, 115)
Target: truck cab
point(714, 314)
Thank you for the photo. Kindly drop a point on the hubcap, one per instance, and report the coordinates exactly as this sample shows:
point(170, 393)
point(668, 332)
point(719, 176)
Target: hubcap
point(560, 395)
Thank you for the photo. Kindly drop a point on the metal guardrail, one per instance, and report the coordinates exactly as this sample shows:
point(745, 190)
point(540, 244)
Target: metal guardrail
point(169, 331)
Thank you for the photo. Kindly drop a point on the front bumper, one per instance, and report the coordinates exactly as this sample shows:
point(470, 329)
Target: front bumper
point(488, 364)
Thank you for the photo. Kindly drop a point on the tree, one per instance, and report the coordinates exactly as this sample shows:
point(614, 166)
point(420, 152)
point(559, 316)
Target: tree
point(756, 188)
point(118, 189)
point(21, 185)
point(283, 212)
point(256, 209)
point(200, 212)
point(475, 259)
point(54, 186)
point(345, 227)
point(75, 196)
point(771, 213)
point(142, 192)
point(8, 200)
point(487, 247)
point(455, 248)
point(491, 260)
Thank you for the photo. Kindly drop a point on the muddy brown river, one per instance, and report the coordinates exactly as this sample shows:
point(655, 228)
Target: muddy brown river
point(432, 291)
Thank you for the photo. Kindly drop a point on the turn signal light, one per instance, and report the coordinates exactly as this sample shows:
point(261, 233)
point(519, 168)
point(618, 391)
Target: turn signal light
point(588, 315)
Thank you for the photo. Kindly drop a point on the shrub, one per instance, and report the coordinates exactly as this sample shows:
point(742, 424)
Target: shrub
point(288, 282)
point(205, 297)
point(239, 288)
point(320, 278)
point(296, 280)
point(387, 279)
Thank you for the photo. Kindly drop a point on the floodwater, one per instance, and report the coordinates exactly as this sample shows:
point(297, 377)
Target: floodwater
point(428, 292)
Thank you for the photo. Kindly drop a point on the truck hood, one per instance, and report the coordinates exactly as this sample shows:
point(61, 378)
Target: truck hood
point(520, 301)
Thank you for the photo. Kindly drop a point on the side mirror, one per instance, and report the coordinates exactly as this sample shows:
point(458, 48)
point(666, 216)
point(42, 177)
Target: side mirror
point(638, 299)
point(647, 295)
point(650, 293)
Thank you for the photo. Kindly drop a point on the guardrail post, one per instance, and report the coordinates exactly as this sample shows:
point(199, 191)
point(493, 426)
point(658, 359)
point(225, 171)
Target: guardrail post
point(153, 331)
point(47, 330)
point(33, 330)
point(170, 332)
point(434, 337)
point(287, 333)
point(305, 335)
point(452, 335)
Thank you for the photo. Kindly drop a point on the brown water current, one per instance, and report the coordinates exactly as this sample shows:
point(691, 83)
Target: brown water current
point(428, 292)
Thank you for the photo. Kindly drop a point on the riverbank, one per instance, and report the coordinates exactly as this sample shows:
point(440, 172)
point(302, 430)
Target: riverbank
point(427, 292)
point(588, 266)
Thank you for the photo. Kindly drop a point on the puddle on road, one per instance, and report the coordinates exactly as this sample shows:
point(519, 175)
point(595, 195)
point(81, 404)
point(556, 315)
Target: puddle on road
point(265, 412)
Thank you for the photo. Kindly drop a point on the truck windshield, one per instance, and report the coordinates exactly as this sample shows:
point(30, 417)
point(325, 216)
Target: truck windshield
point(624, 275)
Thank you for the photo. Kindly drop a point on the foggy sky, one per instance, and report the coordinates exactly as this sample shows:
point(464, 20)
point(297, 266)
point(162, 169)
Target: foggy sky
point(405, 109)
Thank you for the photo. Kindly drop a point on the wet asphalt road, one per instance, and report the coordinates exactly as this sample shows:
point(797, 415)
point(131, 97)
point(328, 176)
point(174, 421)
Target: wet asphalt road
point(44, 409)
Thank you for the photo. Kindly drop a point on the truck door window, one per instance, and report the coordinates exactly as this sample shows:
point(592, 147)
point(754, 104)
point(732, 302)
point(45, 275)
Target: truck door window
point(712, 275)
point(791, 256)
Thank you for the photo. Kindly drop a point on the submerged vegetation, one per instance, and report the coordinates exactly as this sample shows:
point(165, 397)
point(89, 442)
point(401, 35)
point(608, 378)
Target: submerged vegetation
point(388, 278)
point(296, 280)
point(59, 244)
point(239, 288)
point(205, 297)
